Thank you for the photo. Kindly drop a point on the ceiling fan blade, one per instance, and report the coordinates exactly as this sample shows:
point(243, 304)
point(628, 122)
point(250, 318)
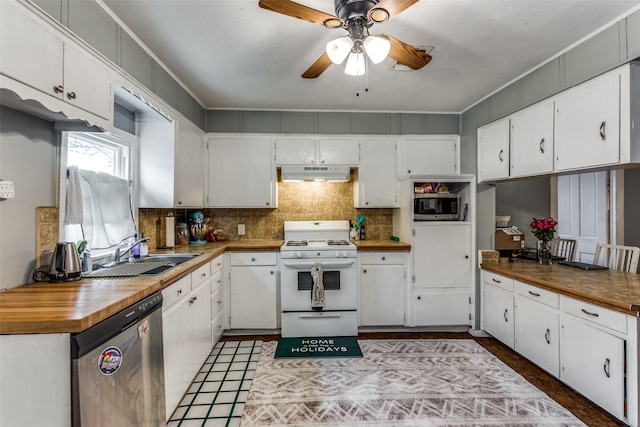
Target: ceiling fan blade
point(407, 55)
point(394, 7)
point(318, 67)
point(296, 10)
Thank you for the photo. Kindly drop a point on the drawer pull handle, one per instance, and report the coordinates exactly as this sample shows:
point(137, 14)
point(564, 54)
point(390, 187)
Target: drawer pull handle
point(500, 155)
point(603, 130)
point(534, 294)
point(71, 95)
point(542, 145)
point(588, 313)
point(546, 336)
point(192, 300)
point(204, 274)
point(179, 291)
point(253, 260)
point(506, 310)
point(496, 281)
point(58, 89)
point(383, 258)
point(607, 368)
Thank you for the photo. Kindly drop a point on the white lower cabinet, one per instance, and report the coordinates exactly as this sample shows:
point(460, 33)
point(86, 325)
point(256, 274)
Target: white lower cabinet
point(497, 312)
point(383, 283)
point(538, 327)
point(592, 349)
point(186, 323)
point(252, 288)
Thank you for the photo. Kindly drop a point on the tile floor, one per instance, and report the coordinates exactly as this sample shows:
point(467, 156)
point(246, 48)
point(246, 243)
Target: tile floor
point(219, 391)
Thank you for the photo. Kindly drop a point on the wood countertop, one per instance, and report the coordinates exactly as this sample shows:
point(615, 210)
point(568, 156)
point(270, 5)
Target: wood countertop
point(75, 306)
point(381, 245)
point(607, 288)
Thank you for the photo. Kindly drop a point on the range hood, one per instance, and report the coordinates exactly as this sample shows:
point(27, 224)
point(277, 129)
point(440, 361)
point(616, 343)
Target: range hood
point(315, 173)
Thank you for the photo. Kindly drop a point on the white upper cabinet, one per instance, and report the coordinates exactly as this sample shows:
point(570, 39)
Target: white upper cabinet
point(190, 166)
point(588, 124)
point(32, 55)
point(531, 146)
point(376, 185)
point(493, 150)
point(429, 155)
point(311, 151)
point(242, 173)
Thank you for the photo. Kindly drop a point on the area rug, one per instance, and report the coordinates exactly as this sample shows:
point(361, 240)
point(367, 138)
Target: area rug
point(398, 383)
point(318, 347)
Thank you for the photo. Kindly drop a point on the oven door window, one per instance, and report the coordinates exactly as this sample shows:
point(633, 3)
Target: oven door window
point(330, 280)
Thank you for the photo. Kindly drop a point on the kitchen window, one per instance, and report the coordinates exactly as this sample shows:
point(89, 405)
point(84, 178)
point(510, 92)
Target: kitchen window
point(106, 155)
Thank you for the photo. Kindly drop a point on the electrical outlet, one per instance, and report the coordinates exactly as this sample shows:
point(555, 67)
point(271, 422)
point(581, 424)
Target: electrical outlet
point(7, 190)
point(240, 229)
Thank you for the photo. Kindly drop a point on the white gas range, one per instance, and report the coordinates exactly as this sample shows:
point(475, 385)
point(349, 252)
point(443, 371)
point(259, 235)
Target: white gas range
point(309, 244)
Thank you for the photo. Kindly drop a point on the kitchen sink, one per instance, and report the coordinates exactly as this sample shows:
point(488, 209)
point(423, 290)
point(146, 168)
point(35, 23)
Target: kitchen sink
point(149, 265)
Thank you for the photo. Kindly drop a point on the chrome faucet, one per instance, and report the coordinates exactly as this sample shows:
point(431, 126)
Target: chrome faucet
point(118, 254)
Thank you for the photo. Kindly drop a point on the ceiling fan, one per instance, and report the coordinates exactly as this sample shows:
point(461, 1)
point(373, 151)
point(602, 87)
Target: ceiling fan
point(355, 16)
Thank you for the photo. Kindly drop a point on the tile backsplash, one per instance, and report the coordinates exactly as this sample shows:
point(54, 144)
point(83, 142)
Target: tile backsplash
point(297, 201)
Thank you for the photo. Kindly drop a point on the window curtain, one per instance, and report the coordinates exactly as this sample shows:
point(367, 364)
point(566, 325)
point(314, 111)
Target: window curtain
point(101, 204)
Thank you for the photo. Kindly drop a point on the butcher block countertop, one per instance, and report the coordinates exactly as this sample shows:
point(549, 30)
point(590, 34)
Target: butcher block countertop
point(381, 245)
point(75, 306)
point(607, 288)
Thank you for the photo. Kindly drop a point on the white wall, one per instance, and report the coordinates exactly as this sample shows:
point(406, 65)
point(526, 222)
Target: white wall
point(28, 158)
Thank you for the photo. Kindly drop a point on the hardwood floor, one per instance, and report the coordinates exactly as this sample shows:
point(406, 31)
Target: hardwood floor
point(582, 408)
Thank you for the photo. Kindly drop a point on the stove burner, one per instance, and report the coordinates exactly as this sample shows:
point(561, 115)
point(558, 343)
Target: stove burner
point(337, 243)
point(297, 243)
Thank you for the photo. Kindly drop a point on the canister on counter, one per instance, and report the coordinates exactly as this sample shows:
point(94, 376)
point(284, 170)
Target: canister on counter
point(182, 234)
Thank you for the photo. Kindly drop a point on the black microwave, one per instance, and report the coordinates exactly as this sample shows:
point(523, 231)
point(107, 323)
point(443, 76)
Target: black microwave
point(436, 206)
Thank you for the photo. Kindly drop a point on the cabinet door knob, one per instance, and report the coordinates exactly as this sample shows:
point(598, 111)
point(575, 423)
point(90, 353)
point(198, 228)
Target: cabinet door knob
point(268, 203)
point(466, 257)
point(419, 297)
point(71, 95)
point(253, 260)
point(366, 203)
point(603, 130)
point(272, 272)
point(384, 257)
point(58, 89)
point(179, 291)
point(408, 170)
point(204, 274)
point(179, 202)
point(364, 271)
point(322, 161)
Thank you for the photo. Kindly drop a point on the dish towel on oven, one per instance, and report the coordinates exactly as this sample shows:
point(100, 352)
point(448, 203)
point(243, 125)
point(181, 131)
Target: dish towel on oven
point(317, 291)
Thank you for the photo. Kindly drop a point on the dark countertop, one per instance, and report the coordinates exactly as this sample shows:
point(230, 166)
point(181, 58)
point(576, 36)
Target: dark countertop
point(381, 245)
point(612, 289)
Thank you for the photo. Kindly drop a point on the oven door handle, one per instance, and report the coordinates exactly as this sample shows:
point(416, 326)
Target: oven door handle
point(315, 316)
point(325, 265)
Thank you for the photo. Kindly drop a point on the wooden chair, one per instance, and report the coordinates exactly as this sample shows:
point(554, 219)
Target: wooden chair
point(616, 257)
point(565, 248)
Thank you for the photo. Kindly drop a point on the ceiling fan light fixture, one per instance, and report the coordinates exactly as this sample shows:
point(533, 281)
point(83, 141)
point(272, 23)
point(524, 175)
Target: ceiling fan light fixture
point(355, 64)
point(339, 49)
point(377, 48)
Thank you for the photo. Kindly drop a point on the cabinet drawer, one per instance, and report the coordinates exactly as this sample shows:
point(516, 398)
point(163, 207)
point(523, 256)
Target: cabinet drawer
point(543, 296)
point(216, 281)
point(383, 258)
point(216, 302)
point(253, 258)
point(217, 327)
point(596, 314)
point(175, 292)
point(216, 265)
point(199, 275)
point(499, 281)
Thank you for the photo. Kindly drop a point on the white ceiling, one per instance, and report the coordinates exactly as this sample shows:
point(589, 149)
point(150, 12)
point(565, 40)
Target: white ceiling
point(234, 55)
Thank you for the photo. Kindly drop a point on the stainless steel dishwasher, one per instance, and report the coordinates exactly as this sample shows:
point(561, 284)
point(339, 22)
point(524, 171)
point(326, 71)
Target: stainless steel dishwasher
point(117, 369)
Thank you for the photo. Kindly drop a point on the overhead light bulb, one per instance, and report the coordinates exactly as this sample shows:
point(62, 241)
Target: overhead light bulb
point(338, 49)
point(355, 64)
point(377, 48)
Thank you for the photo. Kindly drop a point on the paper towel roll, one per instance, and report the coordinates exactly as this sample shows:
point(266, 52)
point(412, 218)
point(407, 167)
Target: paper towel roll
point(166, 232)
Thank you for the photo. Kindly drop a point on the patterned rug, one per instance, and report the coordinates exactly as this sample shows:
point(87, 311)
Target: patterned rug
point(398, 383)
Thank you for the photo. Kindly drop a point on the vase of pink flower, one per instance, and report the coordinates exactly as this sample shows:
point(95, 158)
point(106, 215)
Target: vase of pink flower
point(544, 229)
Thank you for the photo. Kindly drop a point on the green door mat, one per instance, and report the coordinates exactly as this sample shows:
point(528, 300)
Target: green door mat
point(318, 347)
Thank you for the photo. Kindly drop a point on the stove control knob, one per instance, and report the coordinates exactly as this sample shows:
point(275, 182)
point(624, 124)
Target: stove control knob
point(297, 255)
